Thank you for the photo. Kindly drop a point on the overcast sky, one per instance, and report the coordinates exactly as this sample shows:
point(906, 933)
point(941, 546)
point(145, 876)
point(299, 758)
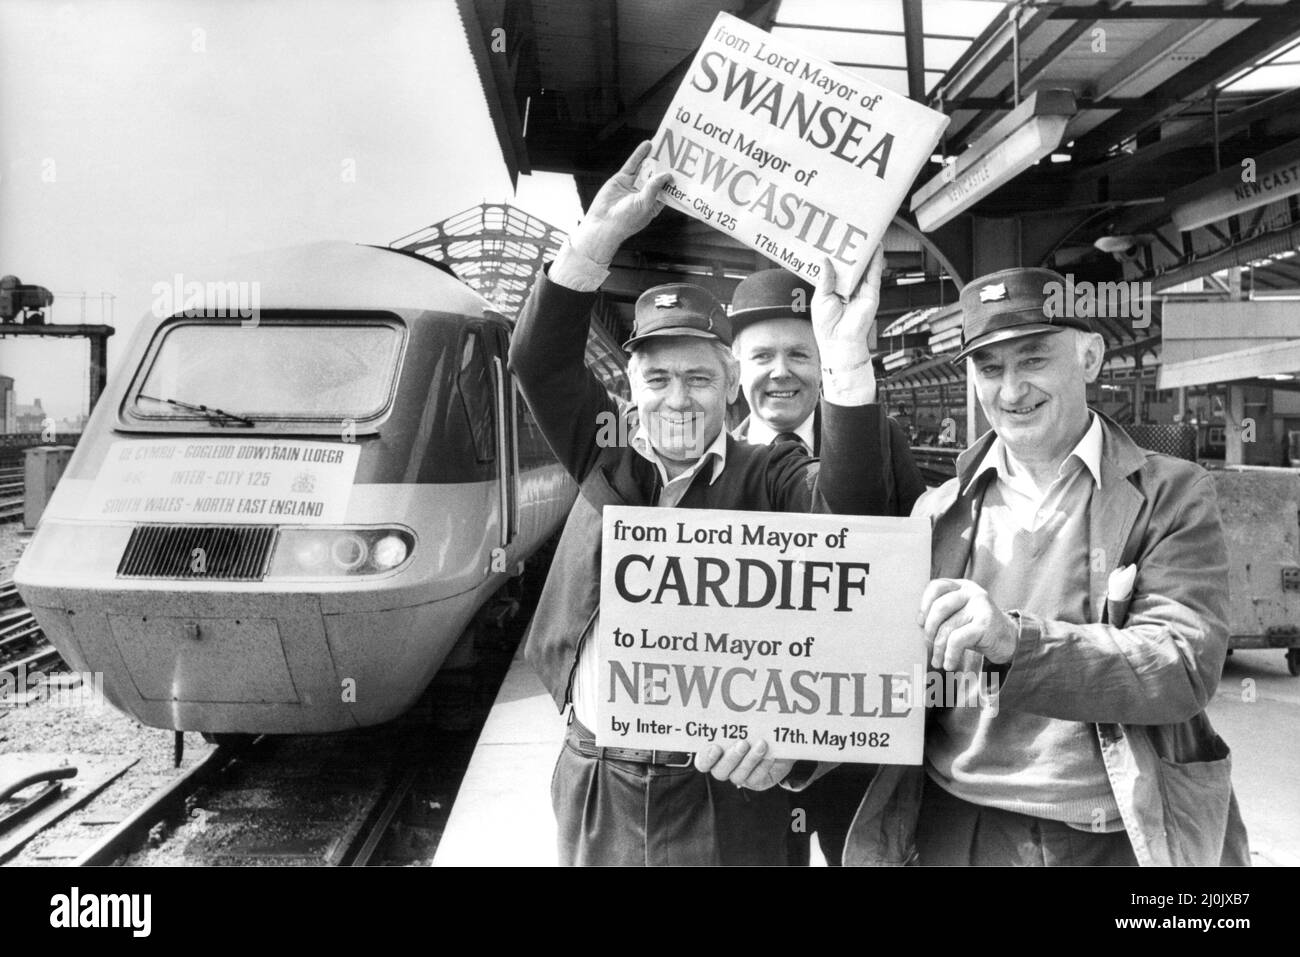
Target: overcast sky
point(139, 136)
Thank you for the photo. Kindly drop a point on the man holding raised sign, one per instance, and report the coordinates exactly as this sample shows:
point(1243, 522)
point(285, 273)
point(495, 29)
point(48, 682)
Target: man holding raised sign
point(780, 375)
point(625, 806)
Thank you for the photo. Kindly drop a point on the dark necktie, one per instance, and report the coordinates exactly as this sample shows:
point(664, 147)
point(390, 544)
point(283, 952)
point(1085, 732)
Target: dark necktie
point(784, 437)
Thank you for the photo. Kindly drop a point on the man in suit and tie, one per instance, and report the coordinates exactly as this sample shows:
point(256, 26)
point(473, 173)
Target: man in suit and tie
point(780, 371)
point(780, 376)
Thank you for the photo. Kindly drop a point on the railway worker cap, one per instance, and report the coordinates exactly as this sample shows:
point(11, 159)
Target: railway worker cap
point(770, 294)
point(679, 309)
point(1012, 303)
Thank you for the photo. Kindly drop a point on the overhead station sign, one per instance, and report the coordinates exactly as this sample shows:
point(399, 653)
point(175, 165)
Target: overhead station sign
point(1275, 176)
point(793, 156)
point(719, 626)
point(1020, 139)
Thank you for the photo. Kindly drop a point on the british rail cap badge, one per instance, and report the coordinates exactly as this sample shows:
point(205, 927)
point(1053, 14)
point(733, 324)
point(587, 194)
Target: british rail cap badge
point(1010, 304)
point(679, 309)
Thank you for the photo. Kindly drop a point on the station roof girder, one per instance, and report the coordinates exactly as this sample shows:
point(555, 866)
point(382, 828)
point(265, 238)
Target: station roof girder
point(1152, 80)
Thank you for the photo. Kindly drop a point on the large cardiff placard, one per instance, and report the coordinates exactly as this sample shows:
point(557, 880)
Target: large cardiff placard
point(792, 155)
point(717, 626)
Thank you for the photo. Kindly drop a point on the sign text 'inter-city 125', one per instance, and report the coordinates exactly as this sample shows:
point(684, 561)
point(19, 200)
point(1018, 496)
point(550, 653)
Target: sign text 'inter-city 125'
point(792, 155)
point(219, 480)
point(717, 626)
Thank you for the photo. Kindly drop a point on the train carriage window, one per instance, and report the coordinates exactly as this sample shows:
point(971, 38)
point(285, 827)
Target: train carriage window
point(474, 383)
point(336, 371)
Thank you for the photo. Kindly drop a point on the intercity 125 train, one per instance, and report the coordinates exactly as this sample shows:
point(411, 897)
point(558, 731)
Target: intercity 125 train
point(281, 518)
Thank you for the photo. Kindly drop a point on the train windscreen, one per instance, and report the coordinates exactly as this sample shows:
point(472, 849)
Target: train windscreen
point(272, 371)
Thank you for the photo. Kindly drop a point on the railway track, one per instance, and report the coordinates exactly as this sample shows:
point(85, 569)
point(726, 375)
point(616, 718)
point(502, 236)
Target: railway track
point(372, 797)
point(166, 804)
point(23, 646)
point(11, 494)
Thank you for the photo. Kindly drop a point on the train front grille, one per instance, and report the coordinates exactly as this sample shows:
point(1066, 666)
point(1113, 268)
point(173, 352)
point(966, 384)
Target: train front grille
point(200, 552)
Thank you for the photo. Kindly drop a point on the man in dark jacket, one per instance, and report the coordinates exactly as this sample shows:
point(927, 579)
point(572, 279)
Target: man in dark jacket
point(781, 379)
point(621, 806)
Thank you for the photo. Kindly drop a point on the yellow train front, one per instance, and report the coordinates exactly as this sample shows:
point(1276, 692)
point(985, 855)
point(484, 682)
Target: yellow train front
point(300, 487)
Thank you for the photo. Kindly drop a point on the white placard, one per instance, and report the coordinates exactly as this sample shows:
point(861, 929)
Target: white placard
point(226, 481)
point(717, 626)
point(788, 153)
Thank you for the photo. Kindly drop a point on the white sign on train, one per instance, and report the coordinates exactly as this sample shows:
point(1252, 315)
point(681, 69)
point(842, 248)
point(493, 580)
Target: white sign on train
point(235, 481)
point(717, 626)
point(792, 155)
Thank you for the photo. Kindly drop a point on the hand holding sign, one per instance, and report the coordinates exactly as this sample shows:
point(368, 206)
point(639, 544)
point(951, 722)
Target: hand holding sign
point(841, 329)
point(620, 210)
point(743, 765)
point(841, 324)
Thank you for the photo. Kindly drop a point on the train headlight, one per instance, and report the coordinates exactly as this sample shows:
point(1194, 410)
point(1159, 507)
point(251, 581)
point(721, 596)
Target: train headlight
point(311, 553)
point(339, 552)
point(389, 552)
point(349, 551)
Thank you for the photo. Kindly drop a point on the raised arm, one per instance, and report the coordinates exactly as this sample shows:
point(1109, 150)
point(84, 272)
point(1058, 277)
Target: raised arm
point(549, 342)
point(856, 475)
point(546, 356)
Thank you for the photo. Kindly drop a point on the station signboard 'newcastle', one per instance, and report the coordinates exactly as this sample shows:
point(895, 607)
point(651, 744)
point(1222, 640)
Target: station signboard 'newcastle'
point(1257, 182)
point(793, 156)
point(1016, 142)
point(717, 626)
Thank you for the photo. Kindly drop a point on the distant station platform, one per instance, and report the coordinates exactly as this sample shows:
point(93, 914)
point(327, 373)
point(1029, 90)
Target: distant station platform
point(502, 814)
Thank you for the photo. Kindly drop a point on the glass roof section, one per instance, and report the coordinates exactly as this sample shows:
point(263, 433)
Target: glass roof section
point(868, 38)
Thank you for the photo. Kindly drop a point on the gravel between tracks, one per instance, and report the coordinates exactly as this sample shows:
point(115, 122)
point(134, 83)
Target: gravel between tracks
point(49, 726)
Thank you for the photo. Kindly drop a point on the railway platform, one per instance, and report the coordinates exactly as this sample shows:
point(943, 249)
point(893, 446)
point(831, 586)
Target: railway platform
point(502, 813)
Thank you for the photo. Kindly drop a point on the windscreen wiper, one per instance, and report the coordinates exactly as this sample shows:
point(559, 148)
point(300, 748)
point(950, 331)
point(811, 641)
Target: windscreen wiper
point(212, 414)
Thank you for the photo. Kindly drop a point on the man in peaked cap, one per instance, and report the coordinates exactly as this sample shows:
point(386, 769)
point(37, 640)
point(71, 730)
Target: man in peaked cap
point(781, 378)
point(627, 806)
point(1085, 580)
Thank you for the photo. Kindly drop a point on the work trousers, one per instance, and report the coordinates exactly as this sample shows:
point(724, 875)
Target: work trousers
point(953, 832)
point(829, 804)
point(629, 813)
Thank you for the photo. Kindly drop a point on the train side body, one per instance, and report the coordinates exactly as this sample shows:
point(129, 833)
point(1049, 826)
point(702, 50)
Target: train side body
point(215, 612)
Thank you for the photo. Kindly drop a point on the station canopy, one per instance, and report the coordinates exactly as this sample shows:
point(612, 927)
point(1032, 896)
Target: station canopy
point(1183, 120)
point(497, 250)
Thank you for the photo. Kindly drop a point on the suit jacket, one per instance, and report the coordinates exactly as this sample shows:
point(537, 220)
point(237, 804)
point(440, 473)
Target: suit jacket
point(907, 485)
point(572, 410)
point(1141, 674)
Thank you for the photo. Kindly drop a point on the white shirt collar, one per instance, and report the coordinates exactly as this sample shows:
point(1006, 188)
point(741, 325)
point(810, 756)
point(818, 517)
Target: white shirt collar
point(1087, 452)
point(760, 433)
point(716, 453)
